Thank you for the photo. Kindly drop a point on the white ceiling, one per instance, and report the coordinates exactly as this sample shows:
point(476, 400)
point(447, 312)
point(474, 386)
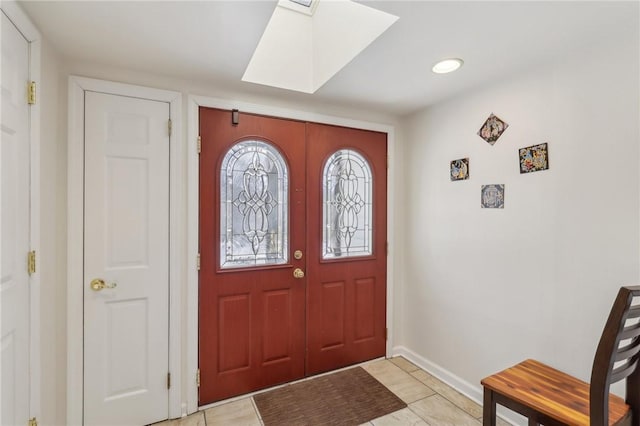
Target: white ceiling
point(212, 42)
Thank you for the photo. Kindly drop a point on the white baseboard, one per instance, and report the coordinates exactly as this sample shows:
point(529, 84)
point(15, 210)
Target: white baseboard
point(461, 385)
point(473, 392)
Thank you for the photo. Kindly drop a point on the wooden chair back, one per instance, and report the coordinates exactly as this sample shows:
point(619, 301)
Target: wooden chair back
point(617, 358)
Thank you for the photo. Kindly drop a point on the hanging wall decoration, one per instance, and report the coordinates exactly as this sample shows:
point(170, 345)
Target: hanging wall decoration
point(460, 169)
point(492, 196)
point(534, 158)
point(492, 129)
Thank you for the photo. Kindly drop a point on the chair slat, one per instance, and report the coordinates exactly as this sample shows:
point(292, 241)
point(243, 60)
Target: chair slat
point(630, 332)
point(628, 351)
point(634, 312)
point(623, 371)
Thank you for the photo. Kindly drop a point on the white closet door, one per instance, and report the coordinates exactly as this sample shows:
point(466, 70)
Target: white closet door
point(14, 281)
point(126, 245)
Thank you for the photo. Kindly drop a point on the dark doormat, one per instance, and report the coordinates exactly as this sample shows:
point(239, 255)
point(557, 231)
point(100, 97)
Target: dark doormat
point(349, 397)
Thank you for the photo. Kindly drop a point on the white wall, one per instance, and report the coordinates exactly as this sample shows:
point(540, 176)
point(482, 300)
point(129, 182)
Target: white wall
point(487, 288)
point(56, 70)
point(52, 259)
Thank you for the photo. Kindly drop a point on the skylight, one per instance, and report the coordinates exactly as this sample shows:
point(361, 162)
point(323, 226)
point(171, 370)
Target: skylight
point(305, 3)
point(307, 7)
point(305, 46)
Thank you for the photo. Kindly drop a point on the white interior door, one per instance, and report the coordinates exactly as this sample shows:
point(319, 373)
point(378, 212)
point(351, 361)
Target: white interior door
point(14, 284)
point(126, 244)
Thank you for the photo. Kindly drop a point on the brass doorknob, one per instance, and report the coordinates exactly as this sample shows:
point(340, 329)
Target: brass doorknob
point(298, 273)
point(98, 284)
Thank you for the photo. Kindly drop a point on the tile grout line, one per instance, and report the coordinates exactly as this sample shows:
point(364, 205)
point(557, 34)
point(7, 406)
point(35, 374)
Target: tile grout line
point(435, 392)
point(422, 399)
point(448, 399)
point(458, 407)
point(255, 408)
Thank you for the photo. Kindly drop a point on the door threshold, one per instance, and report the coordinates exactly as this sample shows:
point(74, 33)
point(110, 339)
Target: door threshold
point(251, 394)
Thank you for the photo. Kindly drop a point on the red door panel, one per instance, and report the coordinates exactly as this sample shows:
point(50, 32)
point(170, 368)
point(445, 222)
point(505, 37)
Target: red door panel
point(251, 320)
point(346, 297)
point(364, 315)
point(331, 301)
point(234, 331)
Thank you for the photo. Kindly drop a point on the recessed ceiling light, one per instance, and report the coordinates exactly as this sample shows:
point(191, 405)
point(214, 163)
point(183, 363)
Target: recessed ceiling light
point(447, 65)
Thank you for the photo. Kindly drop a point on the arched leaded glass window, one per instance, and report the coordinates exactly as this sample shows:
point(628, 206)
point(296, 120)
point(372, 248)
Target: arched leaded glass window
point(254, 195)
point(347, 206)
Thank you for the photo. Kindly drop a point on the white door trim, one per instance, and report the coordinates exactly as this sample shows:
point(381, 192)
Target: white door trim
point(194, 102)
point(31, 33)
point(77, 87)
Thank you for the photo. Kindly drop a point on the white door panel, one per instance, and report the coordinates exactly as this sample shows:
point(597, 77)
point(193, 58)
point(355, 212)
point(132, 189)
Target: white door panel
point(14, 279)
point(126, 245)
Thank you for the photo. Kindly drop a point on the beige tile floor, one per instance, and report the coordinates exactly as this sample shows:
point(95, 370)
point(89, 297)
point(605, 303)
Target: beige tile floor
point(430, 402)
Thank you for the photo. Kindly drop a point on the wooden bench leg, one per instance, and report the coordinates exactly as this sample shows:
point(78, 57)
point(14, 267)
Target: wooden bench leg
point(489, 408)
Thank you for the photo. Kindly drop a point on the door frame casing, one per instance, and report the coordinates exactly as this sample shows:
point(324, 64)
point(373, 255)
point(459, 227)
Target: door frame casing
point(75, 247)
point(193, 104)
point(33, 37)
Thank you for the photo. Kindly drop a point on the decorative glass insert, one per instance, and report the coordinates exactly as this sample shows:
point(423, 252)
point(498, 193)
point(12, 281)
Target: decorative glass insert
point(254, 195)
point(347, 206)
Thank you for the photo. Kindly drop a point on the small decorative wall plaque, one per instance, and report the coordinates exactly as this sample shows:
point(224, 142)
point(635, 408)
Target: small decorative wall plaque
point(492, 197)
point(460, 169)
point(534, 158)
point(492, 129)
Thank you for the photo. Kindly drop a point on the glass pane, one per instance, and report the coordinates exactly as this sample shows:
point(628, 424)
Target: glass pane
point(347, 205)
point(254, 195)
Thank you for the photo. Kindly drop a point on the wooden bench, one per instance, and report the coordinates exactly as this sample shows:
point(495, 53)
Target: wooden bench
point(550, 397)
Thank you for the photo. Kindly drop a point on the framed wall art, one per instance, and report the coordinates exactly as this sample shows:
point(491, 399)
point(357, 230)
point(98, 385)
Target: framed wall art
point(492, 196)
point(492, 129)
point(534, 158)
point(460, 169)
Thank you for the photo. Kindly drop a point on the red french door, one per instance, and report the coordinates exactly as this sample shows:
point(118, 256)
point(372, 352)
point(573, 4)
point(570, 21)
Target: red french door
point(293, 250)
point(251, 307)
point(347, 262)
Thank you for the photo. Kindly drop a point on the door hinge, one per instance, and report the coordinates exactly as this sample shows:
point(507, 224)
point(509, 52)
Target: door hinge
point(387, 248)
point(168, 380)
point(169, 126)
point(199, 144)
point(387, 162)
point(31, 262)
point(198, 261)
point(33, 422)
point(198, 378)
point(31, 93)
point(386, 334)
